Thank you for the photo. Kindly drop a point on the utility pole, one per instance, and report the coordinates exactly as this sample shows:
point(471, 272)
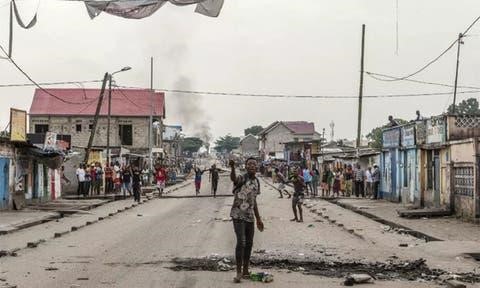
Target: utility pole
point(459, 42)
point(360, 92)
point(108, 117)
point(150, 124)
point(95, 119)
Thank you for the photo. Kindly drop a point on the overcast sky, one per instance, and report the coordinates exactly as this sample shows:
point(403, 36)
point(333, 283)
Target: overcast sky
point(298, 47)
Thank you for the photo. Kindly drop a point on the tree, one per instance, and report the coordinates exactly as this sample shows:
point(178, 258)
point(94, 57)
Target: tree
point(227, 143)
point(375, 138)
point(466, 107)
point(254, 130)
point(191, 144)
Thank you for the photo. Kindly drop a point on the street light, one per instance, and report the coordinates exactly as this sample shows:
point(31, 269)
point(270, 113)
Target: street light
point(126, 68)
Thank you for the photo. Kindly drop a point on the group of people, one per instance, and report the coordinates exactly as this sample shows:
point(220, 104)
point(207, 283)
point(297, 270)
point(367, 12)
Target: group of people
point(214, 176)
point(347, 181)
point(90, 178)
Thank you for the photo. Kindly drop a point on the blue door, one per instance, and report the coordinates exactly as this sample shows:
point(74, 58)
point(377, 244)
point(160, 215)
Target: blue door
point(4, 168)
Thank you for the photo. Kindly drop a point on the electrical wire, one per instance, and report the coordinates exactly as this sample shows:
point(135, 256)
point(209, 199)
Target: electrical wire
point(38, 85)
point(304, 96)
point(436, 58)
point(49, 83)
point(126, 97)
point(374, 76)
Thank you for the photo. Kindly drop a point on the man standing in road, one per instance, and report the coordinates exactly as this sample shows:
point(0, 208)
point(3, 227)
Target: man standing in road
point(161, 177)
point(298, 196)
point(281, 183)
point(348, 178)
point(369, 182)
point(244, 212)
point(136, 183)
point(307, 176)
point(359, 181)
point(214, 176)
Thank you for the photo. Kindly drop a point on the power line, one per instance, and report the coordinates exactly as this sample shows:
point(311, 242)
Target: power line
point(126, 97)
point(49, 83)
point(235, 94)
point(374, 76)
point(38, 85)
point(436, 58)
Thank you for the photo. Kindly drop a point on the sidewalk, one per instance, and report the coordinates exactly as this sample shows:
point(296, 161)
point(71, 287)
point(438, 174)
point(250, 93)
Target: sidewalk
point(444, 228)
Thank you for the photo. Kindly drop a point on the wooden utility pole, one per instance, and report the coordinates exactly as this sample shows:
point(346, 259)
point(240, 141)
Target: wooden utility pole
point(95, 119)
point(459, 42)
point(150, 124)
point(360, 92)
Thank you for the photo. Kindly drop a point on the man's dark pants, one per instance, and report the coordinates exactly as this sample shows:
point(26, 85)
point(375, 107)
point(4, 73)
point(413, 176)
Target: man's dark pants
point(359, 188)
point(244, 231)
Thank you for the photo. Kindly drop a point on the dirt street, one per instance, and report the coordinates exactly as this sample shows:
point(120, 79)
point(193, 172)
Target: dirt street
point(180, 242)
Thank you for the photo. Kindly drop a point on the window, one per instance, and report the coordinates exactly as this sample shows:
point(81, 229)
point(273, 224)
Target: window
point(41, 128)
point(78, 127)
point(125, 133)
point(90, 127)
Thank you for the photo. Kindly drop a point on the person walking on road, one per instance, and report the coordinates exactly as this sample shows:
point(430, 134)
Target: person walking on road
point(109, 188)
point(213, 179)
point(348, 178)
point(136, 183)
point(327, 179)
point(376, 181)
point(198, 179)
point(307, 176)
point(243, 213)
point(126, 181)
point(359, 181)
point(161, 178)
point(281, 184)
point(336, 183)
point(298, 196)
point(81, 180)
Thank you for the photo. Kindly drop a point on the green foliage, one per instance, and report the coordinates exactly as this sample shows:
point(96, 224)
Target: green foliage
point(375, 138)
point(254, 130)
point(4, 134)
point(227, 143)
point(192, 144)
point(466, 107)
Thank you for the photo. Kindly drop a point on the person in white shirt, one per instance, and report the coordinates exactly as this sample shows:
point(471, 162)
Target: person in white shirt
point(368, 176)
point(81, 180)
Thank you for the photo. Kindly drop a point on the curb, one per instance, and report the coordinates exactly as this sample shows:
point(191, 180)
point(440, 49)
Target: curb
point(34, 244)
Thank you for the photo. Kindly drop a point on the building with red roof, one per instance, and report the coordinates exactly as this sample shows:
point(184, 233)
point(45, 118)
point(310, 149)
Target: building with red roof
point(72, 110)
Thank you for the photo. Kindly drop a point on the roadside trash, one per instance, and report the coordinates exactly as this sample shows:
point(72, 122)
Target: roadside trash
point(260, 251)
point(300, 269)
point(310, 226)
point(261, 277)
point(403, 245)
point(51, 269)
point(357, 279)
point(139, 215)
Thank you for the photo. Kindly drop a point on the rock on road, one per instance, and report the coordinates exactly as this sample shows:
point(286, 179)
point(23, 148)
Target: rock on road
point(135, 248)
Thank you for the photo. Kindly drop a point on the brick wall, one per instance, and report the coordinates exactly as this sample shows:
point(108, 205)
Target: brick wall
point(68, 125)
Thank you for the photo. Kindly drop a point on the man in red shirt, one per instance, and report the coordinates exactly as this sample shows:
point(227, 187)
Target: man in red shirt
point(108, 179)
point(161, 177)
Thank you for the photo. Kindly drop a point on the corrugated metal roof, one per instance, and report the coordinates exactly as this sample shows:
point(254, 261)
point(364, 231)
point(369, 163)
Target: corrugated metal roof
point(125, 102)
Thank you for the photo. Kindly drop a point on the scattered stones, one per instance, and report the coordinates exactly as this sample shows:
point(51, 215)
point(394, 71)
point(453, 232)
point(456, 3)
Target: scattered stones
point(403, 245)
point(74, 228)
point(32, 244)
point(357, 279)
point(139, 215)
point(82, 278)
point(51, 269)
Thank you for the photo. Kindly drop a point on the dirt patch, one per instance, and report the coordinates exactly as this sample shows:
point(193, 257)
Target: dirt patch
point(391, 270)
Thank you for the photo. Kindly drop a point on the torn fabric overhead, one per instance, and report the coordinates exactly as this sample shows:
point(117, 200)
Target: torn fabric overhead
point(138, 9)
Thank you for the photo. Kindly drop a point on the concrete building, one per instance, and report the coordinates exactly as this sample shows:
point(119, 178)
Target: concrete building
point(272, 138)
point(249, 145)
point(71, 111)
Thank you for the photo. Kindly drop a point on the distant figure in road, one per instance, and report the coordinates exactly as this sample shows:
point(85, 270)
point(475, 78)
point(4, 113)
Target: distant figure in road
point(315, 180)
point(359, 181)
point(244, 211)
point(161, 178)
point(307, 176)
point(348, 178)
point(126, 181)
point(88, 180)
point(136, 183)
point(327, 179)
point(281, 184)
point(98, 177)
point(198, 179)
point(298, 196)
point(145, 173)
point(369, 182)
point(419, 116)
point(213, 178)
point(336, 183)
point(109, 178)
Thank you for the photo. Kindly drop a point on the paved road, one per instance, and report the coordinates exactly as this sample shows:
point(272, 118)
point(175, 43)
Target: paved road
point(134, 248)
